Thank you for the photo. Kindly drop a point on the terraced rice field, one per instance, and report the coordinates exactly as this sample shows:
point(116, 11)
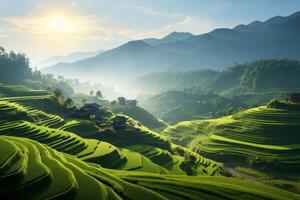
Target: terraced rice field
point(20, 117)
point(30, 170)
point(261, 137)
point(90, 150)
point(44, 130)
point(158, 149)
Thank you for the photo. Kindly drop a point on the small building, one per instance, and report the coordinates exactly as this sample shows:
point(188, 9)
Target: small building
point(91, 107)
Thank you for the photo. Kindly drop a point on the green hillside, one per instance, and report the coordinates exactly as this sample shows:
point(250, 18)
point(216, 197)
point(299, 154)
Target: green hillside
point(206, 94)
point(107, 140)
point(52, 155)
point(256, 76)
point(176, 106)
point(261, 138)
point(34, 171)
point(51, 149)
point(141, 115)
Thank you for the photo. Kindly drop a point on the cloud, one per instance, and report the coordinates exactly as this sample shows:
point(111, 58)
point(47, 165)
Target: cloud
point(32, 34)
point(149, 11)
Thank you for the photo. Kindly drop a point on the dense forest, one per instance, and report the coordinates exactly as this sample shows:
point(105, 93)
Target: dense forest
point(257, 76)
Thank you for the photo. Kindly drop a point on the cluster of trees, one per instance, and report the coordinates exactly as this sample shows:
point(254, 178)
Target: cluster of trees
point(15, 69)
point(292, 101)
point(98, 94)
point(52, 83)
point(266, 75)
point(63, 100)
point(87, 86)
point(122, 101)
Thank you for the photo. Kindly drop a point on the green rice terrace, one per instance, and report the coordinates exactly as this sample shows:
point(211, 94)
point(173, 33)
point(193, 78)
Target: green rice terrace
point(261, 142)
point(30, 170)
point(47, 153)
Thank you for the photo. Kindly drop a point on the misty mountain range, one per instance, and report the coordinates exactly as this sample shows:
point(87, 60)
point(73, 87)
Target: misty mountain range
point(72, 57)
point(275, 38)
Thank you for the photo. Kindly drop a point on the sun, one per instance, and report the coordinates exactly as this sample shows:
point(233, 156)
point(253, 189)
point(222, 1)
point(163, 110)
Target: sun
point(60, 24)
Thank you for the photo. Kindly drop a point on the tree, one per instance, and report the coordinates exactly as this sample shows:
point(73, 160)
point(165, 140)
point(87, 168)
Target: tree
point(2, 50)
point(113, 102)
point(69, 103)
point(91, 93)
point(274, 103)
point(58, 95)
point(99, 94)
point(121, 100)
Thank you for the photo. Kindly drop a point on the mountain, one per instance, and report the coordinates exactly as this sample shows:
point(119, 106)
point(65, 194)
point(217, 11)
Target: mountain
point(72, 57)
point(113, 65)
point(172, 37)
point(275, 38)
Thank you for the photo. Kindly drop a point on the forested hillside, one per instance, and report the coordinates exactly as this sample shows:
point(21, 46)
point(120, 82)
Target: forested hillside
point(257, 76)
point(14, 68)
point(205, 94)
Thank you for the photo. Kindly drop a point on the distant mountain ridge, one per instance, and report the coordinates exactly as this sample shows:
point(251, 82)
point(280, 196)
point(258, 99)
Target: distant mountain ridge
point(172, 37)
point(72, 57)
point(276, 38)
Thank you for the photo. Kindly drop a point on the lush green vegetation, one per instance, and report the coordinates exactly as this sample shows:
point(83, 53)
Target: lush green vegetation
point(176, 106)
point(258, 76)
point(34, 171)
point(206, 94)
point(130, 108)
point(51, 149)
point(259, 144)
point(14, 69)
point(47, 119)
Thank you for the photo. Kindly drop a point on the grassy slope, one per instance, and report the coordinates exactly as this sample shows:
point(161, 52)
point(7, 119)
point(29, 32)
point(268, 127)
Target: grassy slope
point(50, 174)
point(257, 135)
point(260, 139)
point(21, 117)
point(140, 115)
point(31, 170)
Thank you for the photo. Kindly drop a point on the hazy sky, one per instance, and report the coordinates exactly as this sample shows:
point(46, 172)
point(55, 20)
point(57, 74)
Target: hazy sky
point(42, 28)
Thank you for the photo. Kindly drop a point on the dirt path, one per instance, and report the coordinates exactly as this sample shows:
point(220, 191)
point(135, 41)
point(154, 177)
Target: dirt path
point(242, 175)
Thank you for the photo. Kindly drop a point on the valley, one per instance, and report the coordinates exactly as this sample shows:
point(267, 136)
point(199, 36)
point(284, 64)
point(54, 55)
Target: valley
point(131, 100)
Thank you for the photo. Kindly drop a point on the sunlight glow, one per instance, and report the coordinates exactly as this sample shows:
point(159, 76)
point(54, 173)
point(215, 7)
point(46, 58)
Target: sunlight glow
point(60, 24)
